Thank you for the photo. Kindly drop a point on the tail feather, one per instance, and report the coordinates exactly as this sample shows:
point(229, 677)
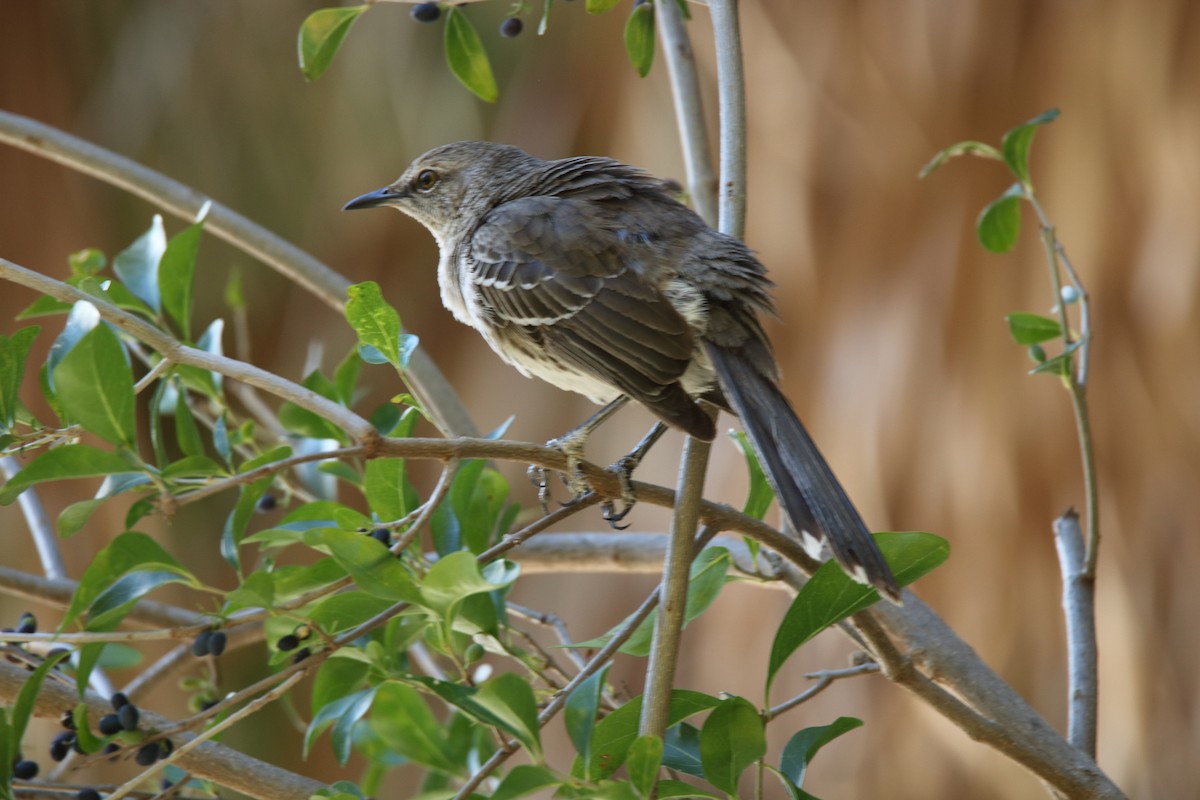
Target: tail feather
point(806, 487)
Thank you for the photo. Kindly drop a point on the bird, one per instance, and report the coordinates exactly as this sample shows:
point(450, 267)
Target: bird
point(589, 274)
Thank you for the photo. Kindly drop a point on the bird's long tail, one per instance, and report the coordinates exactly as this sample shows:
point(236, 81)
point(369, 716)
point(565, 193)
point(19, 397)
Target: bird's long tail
point(806, 487)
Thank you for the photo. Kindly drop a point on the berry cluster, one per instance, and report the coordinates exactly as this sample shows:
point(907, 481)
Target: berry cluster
point(430, 12)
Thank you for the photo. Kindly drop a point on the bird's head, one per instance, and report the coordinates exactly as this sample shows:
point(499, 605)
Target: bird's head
point(452, 184)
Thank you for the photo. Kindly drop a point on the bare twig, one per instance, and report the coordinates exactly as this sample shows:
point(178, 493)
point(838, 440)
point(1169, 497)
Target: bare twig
point(824, 679)
point(689, 109)
point(1079, 608)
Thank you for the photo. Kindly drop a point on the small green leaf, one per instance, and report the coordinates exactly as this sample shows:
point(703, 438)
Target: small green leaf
point(600, 6)
point(639, 37)
point(645, 757)
point(681, 750)
point(175, 275)
point(239, 518)
point(616, 733)
point(321, 35)
point(761, 494)
point(14, 350)
point(457, 576)
point(579, 715)
point(1060, 364)
point(959, 149)
point(44, 307)
point(376, 323)
point(731, 740)
point(1016, 143)
point(373, 566)
point(345, 376)
point(800, 749)
point(831, 595)
point(22, 709)
point(94, 384)
point(186, 431)
point(342, 714)
point(678, 789)
point(999, 224)
point(61, 463)
point(522, 780)
point(1028, 329)
point(88, 261)
point(137, 265)
point(467, 58)
point(130, 552)
point(386, 484)
point(82, 320)
point(511, 699)
point(402, 719)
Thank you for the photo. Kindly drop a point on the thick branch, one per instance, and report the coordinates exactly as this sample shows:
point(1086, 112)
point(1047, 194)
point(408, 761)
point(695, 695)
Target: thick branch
point(1079, 609)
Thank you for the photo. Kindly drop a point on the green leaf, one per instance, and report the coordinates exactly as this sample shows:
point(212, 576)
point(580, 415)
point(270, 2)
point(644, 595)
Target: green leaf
point(94, 384)
point(681, 750)
point(1028, 329)
point(321, 35)
point(616, 733)
point(14, 350)
point(999, 224)
point(678, 789)
point(22, 709)
point(337, 678)
point(82, 320)
point(707, 577)
point(579, 715)
point(600, 6)
point(402, 719)
point(522, 780)
point(137, 265)
point(1016, 143)
point(731, 740)
point(372, 565)
point(68, 461)
point(130, 552)
point(831, 595)
point(799, 751)
point(175, 276)
point(239, 518)
point(959, 149)
point(761, 494)
point(342, 714)
point(186, 432)
point(511, 699)
point(645, 757)
point(639, 37)
point(44, 307)
point(88, 261)
point(467, 58)
point(385, 482)
point(345, 377)
point(376, 323)
point(457, 576)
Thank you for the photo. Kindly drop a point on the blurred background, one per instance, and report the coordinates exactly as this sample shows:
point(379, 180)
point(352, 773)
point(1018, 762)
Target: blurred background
point(890, 332)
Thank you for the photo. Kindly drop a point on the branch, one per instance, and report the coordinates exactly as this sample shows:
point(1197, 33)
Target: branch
point(422, 375)
point(40, 528)
point(731, 85)
point(209, 761)
point(1079, 608)
point(689, 109)
point(824, 679)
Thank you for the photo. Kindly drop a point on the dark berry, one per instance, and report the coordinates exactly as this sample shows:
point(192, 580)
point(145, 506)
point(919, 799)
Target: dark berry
point(87, 793)
point(207, 704)
point(511, 27)
point(25, 770)
point(167, 747)
point(287, 643)
point(119, 699)
point(383, 536)
point(267, 502)
point(110, 724)
point(61, 745)
point(128, 717)
point(54, 652)
point(67, 719)
point(200, 645)
point(426, 12)
point(216, 643)
point(301, 654)
point(27, 623)
point(147, 754)
point(110, 748)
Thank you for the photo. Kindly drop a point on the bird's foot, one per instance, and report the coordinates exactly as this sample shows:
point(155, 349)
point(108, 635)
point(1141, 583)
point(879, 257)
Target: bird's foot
point(573, 478)
point(623, 469)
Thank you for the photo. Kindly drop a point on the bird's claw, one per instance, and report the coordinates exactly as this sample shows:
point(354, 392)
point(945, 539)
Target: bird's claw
point(573, 477)
point(623, 469)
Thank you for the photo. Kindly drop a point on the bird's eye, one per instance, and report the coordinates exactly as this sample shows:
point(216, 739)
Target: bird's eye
point(426, 180)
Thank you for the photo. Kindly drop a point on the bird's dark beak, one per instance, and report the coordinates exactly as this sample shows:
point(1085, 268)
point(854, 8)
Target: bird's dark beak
point(379, 197)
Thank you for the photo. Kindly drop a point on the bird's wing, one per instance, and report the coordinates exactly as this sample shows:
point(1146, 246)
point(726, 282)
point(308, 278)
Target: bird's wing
point(551, 270)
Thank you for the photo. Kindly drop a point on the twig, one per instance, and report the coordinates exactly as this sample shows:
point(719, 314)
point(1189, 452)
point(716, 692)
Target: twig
point(40, 528)
point(668, 628)
point(243, 478)
point(427, 382)
point(1079, 609)
point(689, 108)
point(418, 517)
point(825, 679)
point(731, 85)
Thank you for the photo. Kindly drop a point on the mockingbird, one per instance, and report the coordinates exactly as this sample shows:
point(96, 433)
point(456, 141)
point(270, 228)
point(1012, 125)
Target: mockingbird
point(586, 273)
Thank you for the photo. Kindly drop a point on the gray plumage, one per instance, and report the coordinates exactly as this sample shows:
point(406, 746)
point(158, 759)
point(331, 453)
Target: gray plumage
point(586, 273)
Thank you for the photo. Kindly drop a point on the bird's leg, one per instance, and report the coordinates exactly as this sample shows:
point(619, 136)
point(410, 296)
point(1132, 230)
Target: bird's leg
point(624, 471)
point(571, 444)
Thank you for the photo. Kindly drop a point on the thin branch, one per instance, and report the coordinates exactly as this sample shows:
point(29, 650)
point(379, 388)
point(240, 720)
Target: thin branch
point(689, 108)
point(1079, 609)
point(210, 761)
point(668, 627)
point(824, 679)
point(41, 530)
point(244, 478)
point(178, 353)
point(731, 84)
point(426, 381)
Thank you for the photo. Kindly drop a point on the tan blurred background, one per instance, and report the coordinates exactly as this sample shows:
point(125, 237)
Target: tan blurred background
point(891, 325)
